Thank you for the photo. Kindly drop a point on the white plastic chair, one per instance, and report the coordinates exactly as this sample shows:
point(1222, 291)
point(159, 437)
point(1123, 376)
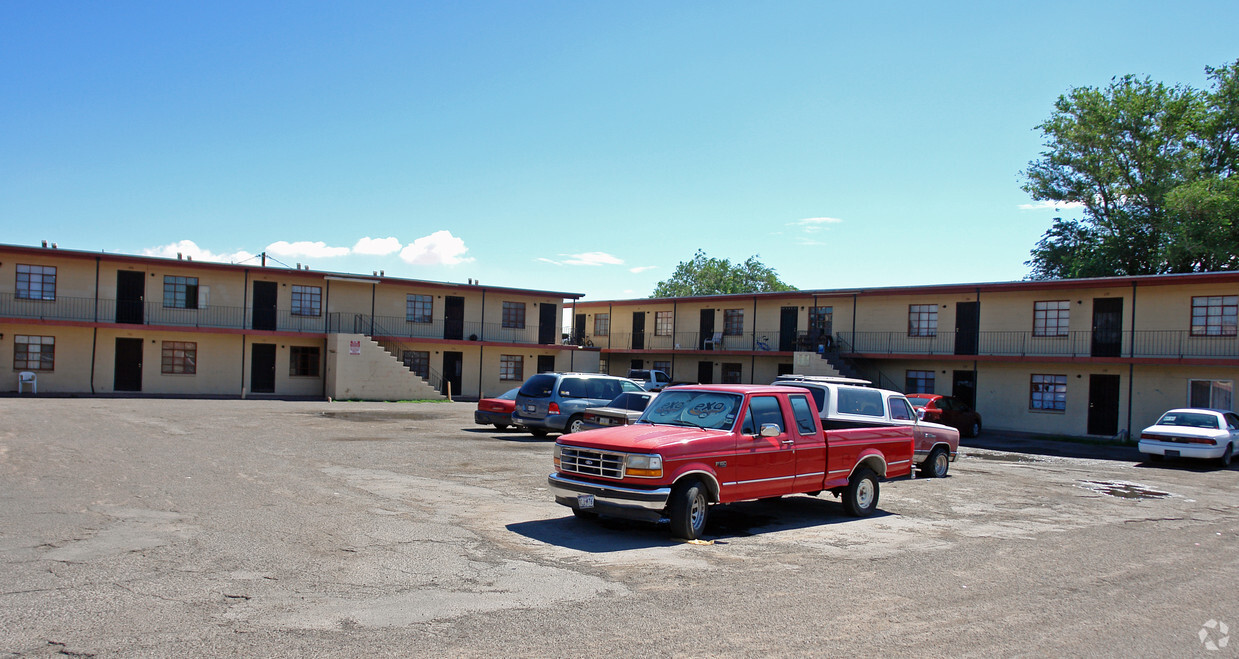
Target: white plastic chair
point(713, 342)
point(28, 378)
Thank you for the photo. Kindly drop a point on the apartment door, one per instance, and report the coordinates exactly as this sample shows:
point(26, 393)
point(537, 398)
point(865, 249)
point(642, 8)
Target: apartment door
point(1107, 327)
point(967, 323)
point(548, 327)
point(578, 328)
point(964, 387)
point(638, 330)
point(128, 368)
point(546, 363)
point(265, 293)
point(130, 296)
point(1103, 404)
point(706, 328)
point(453, 369)
point(788, 317)
point(262, 368)
point(453, 318)
point(705, 372)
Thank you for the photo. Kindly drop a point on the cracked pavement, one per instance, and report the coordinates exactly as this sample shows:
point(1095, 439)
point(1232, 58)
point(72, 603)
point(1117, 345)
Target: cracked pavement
point(195, 528)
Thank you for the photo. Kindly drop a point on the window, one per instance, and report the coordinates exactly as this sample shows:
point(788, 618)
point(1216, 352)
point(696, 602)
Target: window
point(919, 382)
point(418, 308)
point(732, 373)
point(514, 315)
point(803, 414)
point(602, 324)
point(602, 366)
point(1217, 315)
point(733, 322)
point(417, 361)
point(665, 367)
point(820, 320)
point(307, 300)
point(1048, 392)
point(1212, 394)
point(863, 401)
point(179, 358)
point(1050, 318)
point(36, 282)
point(922, 320)
point(303, 361)
point(901, 410)
point(512, 367)
point(762, 410)
point(34, 353)
point(662, 323)
point(180, 292)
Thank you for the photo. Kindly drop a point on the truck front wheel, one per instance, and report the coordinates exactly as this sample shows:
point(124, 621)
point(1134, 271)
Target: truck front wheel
point(860, 498)
point(690, 507)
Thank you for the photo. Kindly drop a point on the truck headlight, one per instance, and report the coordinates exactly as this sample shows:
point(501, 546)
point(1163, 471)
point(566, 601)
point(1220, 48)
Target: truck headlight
point(556, 453)
point(646, 466)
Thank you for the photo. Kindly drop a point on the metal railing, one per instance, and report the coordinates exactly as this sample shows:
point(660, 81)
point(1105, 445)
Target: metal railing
point(769, 340)
point(1149, 344)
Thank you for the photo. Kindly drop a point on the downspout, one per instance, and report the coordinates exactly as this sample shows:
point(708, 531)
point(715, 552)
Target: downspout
point(675, 316)
point(373, 287)
point(753, 356)
point(610, 318)
point(94, 340)
point(1131, 365)
point(245, 310)
point(326, 334)
point(481, 341)
point(853, 322)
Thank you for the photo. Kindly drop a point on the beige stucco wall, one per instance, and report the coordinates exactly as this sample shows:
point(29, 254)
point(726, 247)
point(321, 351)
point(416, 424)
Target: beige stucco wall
point(371, 373)
point(71, 373)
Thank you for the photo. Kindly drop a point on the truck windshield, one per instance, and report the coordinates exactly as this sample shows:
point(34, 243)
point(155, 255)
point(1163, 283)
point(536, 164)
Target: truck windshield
point(701, 409)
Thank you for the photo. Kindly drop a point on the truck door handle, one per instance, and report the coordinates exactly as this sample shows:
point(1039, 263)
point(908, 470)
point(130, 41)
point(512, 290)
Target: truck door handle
point(787, 441)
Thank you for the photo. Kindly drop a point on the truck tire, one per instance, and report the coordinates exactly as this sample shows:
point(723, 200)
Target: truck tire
point(575, 424)
point(860, 498)
point(690, 506)
point(938, 463)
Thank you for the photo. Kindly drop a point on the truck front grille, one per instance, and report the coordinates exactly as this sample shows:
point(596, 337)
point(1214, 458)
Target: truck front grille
point(589, 462)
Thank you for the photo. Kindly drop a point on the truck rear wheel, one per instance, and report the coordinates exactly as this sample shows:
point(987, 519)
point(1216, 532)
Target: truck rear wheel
point(938, 463)
point(690, 506)
point(860, 498)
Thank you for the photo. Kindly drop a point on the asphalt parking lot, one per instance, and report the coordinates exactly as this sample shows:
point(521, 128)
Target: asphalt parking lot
point(142, 527)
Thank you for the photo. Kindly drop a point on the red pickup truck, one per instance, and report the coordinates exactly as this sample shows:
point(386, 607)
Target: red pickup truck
point(703, 444)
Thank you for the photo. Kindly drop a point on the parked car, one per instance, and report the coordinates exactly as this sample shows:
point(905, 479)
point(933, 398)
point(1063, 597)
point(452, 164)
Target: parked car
point(949, 411)
point(649, 379)
point(496, 411)
point(557, 401)
point(1192, 433)
point(621, 411)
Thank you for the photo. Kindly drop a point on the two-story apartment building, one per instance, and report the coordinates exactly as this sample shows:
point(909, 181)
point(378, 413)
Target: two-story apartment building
point(1075, 357)
point(97, 323)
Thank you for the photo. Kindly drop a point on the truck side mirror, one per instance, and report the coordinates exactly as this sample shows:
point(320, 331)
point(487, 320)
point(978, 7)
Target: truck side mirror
point(770, 430)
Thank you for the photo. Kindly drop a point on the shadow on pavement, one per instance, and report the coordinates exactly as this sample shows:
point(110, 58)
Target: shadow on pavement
point(1032, 444)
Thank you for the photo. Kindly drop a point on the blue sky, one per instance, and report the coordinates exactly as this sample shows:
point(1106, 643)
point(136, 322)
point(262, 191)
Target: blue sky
point(573, 146)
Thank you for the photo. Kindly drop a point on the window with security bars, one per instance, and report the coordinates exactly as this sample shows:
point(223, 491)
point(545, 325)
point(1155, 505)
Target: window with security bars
point(304, 360)
point(732, 373)
point(1048, 393)
point(512, 367)
point(34, 353)
point(733, 322)
point(180, 292)
point(419, 308)
point(922, 320)
point(1211, 394)
point(919, 382)
point(665, 367)
point(1215, 315)
point(514, 315)
point(307, 300)
point(663, 320)
point(821, 319)
point(1050, 318)
point(36, 282)
point(417, 361)
point(602, 324)
point(179, 358)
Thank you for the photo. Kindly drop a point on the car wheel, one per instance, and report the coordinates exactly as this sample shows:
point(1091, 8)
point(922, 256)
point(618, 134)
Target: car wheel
point(860, 498)
point(938, 463)
point(689, 509)
point(501, 426)
point(538, 432)
point(975, 428)
point(1226, 457)
point(575, 424)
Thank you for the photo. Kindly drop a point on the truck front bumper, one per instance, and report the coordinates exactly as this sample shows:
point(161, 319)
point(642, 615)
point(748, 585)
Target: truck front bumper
point(610, 499)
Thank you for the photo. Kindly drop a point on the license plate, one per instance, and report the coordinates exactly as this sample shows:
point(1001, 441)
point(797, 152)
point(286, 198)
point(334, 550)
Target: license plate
point(584, 501)
point(531, 408)
point(1172, 454)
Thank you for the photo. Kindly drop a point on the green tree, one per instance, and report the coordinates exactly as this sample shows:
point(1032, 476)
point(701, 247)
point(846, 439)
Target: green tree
point(704, 275)
point(1152, 166)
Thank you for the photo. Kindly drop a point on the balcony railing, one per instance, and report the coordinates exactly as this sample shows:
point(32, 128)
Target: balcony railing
point(1149, 344)
point(757, 341)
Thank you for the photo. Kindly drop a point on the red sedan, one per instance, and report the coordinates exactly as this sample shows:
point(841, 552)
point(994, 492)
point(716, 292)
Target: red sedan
point(496, 411)
point(949, 411)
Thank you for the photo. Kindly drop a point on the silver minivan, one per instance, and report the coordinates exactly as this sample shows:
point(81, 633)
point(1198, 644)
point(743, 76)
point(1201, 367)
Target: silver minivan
point(555, 402)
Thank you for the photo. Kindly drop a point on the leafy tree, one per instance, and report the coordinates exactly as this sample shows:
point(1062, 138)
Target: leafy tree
point(1152, 166)
point(704, 275)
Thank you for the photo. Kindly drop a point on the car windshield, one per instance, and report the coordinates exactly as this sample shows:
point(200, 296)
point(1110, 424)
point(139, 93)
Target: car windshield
point(630, 401)
point(1189, 420)
point(539, 386)
point(700, 409)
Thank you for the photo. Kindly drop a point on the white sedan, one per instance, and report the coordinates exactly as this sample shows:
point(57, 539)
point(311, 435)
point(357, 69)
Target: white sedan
point(1192, 433)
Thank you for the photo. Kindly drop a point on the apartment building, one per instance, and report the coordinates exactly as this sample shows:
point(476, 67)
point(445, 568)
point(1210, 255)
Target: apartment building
point(95, 323)
point(1098, 356)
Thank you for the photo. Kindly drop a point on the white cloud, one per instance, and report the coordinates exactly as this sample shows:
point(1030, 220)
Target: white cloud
point(439, 248)
point(1050, 205)
point(641, 268)
point(592, 258)
point(815, 224)
point(801, 240)
point(377, 246)
point(191, 249)
point(546, 260)
point(317, 249)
